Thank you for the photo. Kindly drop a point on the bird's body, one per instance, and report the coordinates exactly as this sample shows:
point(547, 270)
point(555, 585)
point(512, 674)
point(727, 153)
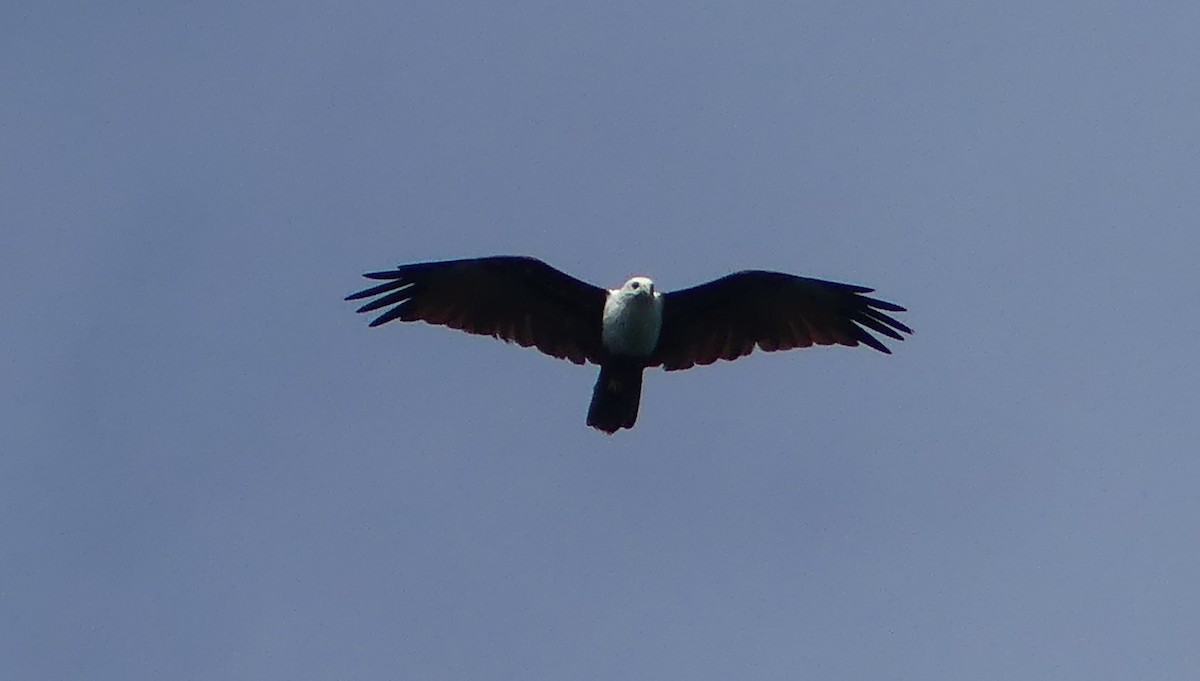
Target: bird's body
point(629, 329)
point(632, 319)
point(630, 326)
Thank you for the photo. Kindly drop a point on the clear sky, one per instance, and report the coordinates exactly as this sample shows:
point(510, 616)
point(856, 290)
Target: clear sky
point(210, 468)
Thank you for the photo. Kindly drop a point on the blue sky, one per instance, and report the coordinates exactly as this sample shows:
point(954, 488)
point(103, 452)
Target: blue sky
point(211, 468)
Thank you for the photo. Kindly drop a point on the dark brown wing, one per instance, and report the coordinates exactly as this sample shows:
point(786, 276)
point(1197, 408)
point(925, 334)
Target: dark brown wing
point(729, 317)
point(517, 299)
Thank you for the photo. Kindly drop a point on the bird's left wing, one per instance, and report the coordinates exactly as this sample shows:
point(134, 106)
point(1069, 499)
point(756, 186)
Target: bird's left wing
point(513, 298)
point(729, 317)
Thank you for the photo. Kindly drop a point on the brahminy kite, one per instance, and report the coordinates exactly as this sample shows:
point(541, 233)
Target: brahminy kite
point(629, 329)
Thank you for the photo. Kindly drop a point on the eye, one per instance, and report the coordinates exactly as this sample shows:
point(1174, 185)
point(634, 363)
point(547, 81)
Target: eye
point(634, 285)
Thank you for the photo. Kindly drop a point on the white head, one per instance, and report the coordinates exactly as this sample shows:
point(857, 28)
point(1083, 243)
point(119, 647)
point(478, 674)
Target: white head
point(638, 286)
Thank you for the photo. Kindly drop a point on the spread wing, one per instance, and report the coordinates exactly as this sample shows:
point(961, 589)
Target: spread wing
point(517, 299)
point(729, 317)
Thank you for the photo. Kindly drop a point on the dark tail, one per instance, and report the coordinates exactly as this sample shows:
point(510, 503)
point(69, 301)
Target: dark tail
point(616, 397)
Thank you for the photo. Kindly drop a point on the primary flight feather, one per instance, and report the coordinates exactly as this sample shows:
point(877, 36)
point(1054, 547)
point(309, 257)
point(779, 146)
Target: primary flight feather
point(629, 329)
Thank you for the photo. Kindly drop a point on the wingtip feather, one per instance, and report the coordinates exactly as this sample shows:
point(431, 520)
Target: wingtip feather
point(388, 274)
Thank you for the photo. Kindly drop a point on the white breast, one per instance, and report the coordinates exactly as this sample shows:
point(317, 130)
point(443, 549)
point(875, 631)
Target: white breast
point(631, 323)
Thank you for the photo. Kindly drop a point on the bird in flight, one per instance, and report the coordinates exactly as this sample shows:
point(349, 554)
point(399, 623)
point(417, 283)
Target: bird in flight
point(629, 329)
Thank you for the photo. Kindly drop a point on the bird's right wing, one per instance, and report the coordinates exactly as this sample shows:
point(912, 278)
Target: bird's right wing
point(729, 317)
point(513, 298)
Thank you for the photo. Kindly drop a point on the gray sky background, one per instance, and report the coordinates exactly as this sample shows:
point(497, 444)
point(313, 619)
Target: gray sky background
point(212, 469)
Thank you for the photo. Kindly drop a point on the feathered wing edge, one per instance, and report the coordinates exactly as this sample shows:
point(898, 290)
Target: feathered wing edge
point(514, 298)
point(729, 317)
